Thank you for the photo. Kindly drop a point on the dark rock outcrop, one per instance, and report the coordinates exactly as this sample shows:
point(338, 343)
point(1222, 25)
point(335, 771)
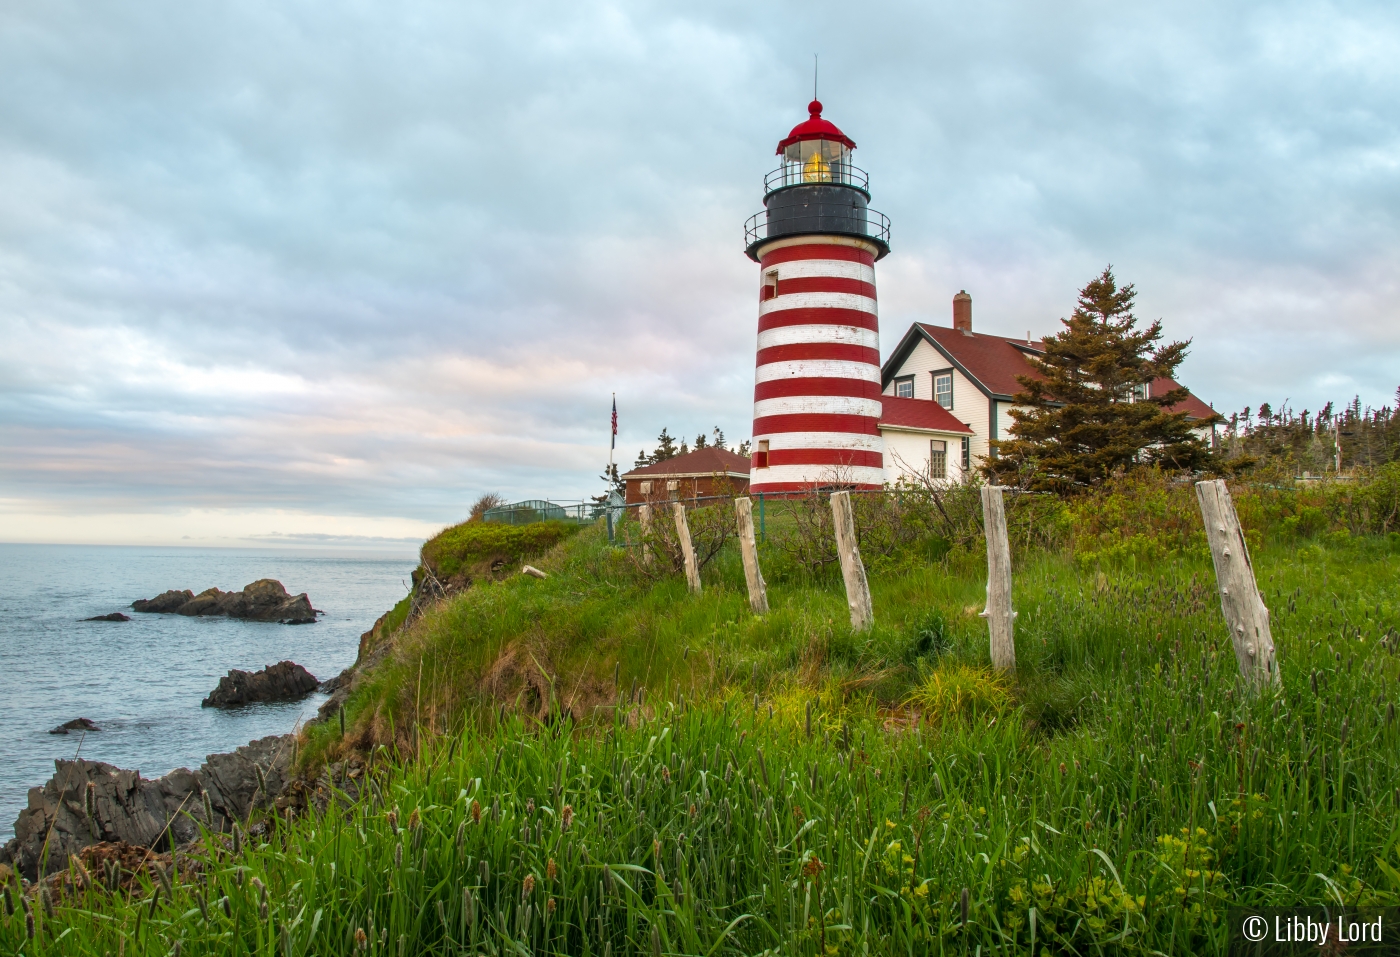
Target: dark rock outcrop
point(114, 616)
point(77, 724)
point(284, 681)
point(87, 802)
point(263, 600)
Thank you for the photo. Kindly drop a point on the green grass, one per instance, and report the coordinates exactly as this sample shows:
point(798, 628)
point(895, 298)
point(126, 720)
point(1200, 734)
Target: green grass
point(1116, 797)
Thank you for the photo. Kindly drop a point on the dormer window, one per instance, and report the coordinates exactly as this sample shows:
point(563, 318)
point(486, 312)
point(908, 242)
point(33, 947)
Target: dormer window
point(904, 388)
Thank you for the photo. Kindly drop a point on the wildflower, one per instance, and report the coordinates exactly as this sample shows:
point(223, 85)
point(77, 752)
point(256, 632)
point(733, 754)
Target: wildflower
point(392, 817)
point(476, 812)
point(566, 817)
point(46, 899)
point(813, 867)
point(29, 924)
point(1063, 769)
point(551, 870)
point(528, 887)
point(694, 811)
point(656, 848)
point(530, 806)
point(797, 813)
point(398, 855)
point(549, 906)
point(361, 939)
point(666, 774)
point(414, 820)
point(889, 824)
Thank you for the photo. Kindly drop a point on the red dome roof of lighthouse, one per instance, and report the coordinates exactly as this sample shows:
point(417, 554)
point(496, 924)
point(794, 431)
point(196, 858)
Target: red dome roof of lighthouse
point(816, 128)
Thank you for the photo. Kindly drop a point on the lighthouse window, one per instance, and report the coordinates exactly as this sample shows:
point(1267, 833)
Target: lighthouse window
point(817, 161)
point(770, 285)
point(938, 459)
point(760, 459)
point(943, 389)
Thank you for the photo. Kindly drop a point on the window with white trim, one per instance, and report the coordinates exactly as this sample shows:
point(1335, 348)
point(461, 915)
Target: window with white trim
point(672, 485)
point(904, 388)
point(645, 488)
point(943, 389)
point(937, 459)
point(1140, 392)
point(967, 454)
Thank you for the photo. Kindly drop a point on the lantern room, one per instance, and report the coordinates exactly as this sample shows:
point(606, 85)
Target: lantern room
point(816, 151)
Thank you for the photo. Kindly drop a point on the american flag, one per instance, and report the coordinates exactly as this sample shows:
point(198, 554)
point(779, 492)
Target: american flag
point(614, 423)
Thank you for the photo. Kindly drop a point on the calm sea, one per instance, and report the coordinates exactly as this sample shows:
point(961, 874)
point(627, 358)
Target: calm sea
point(141, 681)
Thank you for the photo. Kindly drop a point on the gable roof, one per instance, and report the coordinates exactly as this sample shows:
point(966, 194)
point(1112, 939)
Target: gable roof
point(992, 363)
point(711, 460)
point(923, 414)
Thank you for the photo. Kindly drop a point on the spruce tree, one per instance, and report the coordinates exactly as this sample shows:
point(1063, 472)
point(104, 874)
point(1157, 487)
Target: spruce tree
point(1077, 421)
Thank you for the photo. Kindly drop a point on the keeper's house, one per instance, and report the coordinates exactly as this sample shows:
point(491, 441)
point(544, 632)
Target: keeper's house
point(970, 378)
point(698, 474)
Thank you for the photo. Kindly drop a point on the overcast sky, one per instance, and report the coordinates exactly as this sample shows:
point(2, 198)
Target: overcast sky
point(294, 271)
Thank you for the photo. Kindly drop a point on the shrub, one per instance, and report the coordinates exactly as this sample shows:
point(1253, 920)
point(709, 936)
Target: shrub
point(960, 693)
point(475, 548)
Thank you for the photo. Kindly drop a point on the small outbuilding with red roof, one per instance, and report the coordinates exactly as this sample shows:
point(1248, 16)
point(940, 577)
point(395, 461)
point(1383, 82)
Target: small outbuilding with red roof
point(699, 474)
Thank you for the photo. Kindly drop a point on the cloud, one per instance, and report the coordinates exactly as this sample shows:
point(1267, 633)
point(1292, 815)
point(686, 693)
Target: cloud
point(362, 263)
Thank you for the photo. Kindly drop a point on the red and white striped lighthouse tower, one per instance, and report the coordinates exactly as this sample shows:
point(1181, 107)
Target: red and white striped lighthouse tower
point(817, 387)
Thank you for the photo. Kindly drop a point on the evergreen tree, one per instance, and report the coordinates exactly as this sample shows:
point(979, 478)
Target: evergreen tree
point(700, 441)
point(665, 447)
point(1078, 422)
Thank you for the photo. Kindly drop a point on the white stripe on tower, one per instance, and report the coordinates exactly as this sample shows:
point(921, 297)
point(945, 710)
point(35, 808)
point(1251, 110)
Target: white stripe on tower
point(817, 383)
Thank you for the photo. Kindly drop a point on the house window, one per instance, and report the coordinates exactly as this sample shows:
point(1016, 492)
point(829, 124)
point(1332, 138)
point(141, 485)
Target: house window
point(967, 453)
point(904, 388)
point(760, 458)
point(943, 389)
point(1140, 392)
point(645, 488)
point(770, 286)
point(937, 459)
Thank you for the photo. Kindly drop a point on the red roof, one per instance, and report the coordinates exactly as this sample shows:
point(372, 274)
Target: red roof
point(816, 128)
point(712, 460)
point(994, 361)
point(919, 414)
point(1192, 406)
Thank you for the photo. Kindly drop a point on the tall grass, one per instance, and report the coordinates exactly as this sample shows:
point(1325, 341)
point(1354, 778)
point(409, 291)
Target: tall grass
point(763, 786)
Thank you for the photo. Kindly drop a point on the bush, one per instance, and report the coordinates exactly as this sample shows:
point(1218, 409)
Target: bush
point(473, 549)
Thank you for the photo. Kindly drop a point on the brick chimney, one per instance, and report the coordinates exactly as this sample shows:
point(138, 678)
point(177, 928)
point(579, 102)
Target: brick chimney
point(962, 312)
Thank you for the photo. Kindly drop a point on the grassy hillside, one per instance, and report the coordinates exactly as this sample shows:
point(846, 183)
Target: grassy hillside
point(601, 763)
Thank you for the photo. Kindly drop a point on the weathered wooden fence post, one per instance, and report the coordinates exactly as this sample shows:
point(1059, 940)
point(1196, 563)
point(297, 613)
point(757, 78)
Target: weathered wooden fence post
point(692, 570)
point(1000, 617)
point(857, 588)
point(644, 513)
point(758, 592)
point(1245, 612)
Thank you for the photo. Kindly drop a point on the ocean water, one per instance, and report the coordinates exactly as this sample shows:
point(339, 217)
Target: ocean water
point(142, 681)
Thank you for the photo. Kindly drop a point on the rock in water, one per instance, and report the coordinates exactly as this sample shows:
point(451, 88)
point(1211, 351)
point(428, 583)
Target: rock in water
point(123, 806)
point(284, 681)
point(77, 724)
point(114, 616)
point(263, 600)
point(163, 603)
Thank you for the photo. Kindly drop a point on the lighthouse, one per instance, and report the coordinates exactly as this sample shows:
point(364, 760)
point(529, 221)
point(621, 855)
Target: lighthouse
point(817, 381)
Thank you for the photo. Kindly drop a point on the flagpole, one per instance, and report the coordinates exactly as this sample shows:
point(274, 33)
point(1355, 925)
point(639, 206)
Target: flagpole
point(612, 440)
